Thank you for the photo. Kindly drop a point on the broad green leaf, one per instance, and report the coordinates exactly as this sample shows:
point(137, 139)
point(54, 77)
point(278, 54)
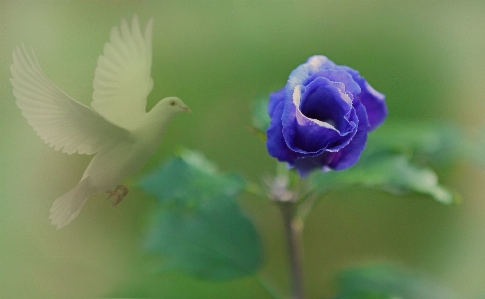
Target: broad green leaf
point(438, 143)
point(189, 179)
point(398, 158)
point(198, 227)
point(381, 281)
point(387, 171)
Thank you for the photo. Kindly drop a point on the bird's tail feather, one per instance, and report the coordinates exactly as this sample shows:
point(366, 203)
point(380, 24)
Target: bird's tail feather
point(68, 206)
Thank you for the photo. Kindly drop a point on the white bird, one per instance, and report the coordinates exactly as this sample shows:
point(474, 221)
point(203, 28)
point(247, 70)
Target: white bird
point(117, 127)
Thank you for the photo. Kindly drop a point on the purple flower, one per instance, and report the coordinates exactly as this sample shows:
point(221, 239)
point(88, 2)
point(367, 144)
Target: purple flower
point(321, 118)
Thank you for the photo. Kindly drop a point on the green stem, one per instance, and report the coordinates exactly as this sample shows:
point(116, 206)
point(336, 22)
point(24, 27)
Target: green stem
point(293, 229)
point(305, 207)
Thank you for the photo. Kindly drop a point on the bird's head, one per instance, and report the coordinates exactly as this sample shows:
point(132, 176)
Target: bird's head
point(165, 110)
point(172, 105)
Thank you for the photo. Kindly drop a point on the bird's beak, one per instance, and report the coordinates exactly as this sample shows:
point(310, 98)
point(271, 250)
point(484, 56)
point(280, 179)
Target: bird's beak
point(186, 109)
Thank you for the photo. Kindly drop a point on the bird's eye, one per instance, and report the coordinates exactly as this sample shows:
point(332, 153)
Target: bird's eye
point(172, 103)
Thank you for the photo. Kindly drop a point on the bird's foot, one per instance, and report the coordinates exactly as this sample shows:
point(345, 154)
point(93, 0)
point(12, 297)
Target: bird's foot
point(119, 192)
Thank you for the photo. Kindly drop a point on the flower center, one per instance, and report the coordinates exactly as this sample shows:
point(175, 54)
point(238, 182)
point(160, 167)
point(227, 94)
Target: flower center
point(325, 104)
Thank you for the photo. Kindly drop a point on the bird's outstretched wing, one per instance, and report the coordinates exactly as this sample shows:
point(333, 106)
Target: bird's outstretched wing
point(122, 80)
point(58, 119)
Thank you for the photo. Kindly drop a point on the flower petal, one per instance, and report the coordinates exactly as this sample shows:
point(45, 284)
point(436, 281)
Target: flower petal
point(301, 74)
point(325, 120)
point(304, 135)
point(349, 155)
point(275, 143)
point(344, 158)
point(325, 102)
point(338, 75)
point(304, 166)
point(274, 99)
point(373, 100)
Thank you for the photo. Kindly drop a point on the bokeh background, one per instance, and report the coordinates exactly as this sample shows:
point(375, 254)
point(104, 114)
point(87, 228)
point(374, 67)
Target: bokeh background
point(428, 57)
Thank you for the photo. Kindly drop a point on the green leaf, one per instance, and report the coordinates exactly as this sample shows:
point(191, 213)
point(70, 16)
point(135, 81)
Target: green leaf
point(260, 120)
point(382, 281)
point(436, 142)
point(398, 159)
point(189, 179)
point(198, 227)
point(387, 171)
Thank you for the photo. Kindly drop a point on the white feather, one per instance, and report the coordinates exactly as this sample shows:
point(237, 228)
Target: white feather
point(122, 79)
point(68, 206)
point(118, 129)
point(58, 119)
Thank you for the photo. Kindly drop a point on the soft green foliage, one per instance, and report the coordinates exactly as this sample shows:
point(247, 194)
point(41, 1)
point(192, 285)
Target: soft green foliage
point(189, 179)
point(388, 171)
point(437, 143)
point(260, 119)
point(198, 227)
point(382, 282)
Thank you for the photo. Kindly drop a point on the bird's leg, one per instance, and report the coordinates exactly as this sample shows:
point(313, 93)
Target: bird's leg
point(122, 188)
point(118, 196)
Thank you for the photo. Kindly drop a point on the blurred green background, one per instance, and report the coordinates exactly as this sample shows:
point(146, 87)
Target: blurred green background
point(427, 57)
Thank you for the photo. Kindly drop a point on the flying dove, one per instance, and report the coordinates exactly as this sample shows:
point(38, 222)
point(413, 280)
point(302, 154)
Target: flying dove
point(116, 127)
